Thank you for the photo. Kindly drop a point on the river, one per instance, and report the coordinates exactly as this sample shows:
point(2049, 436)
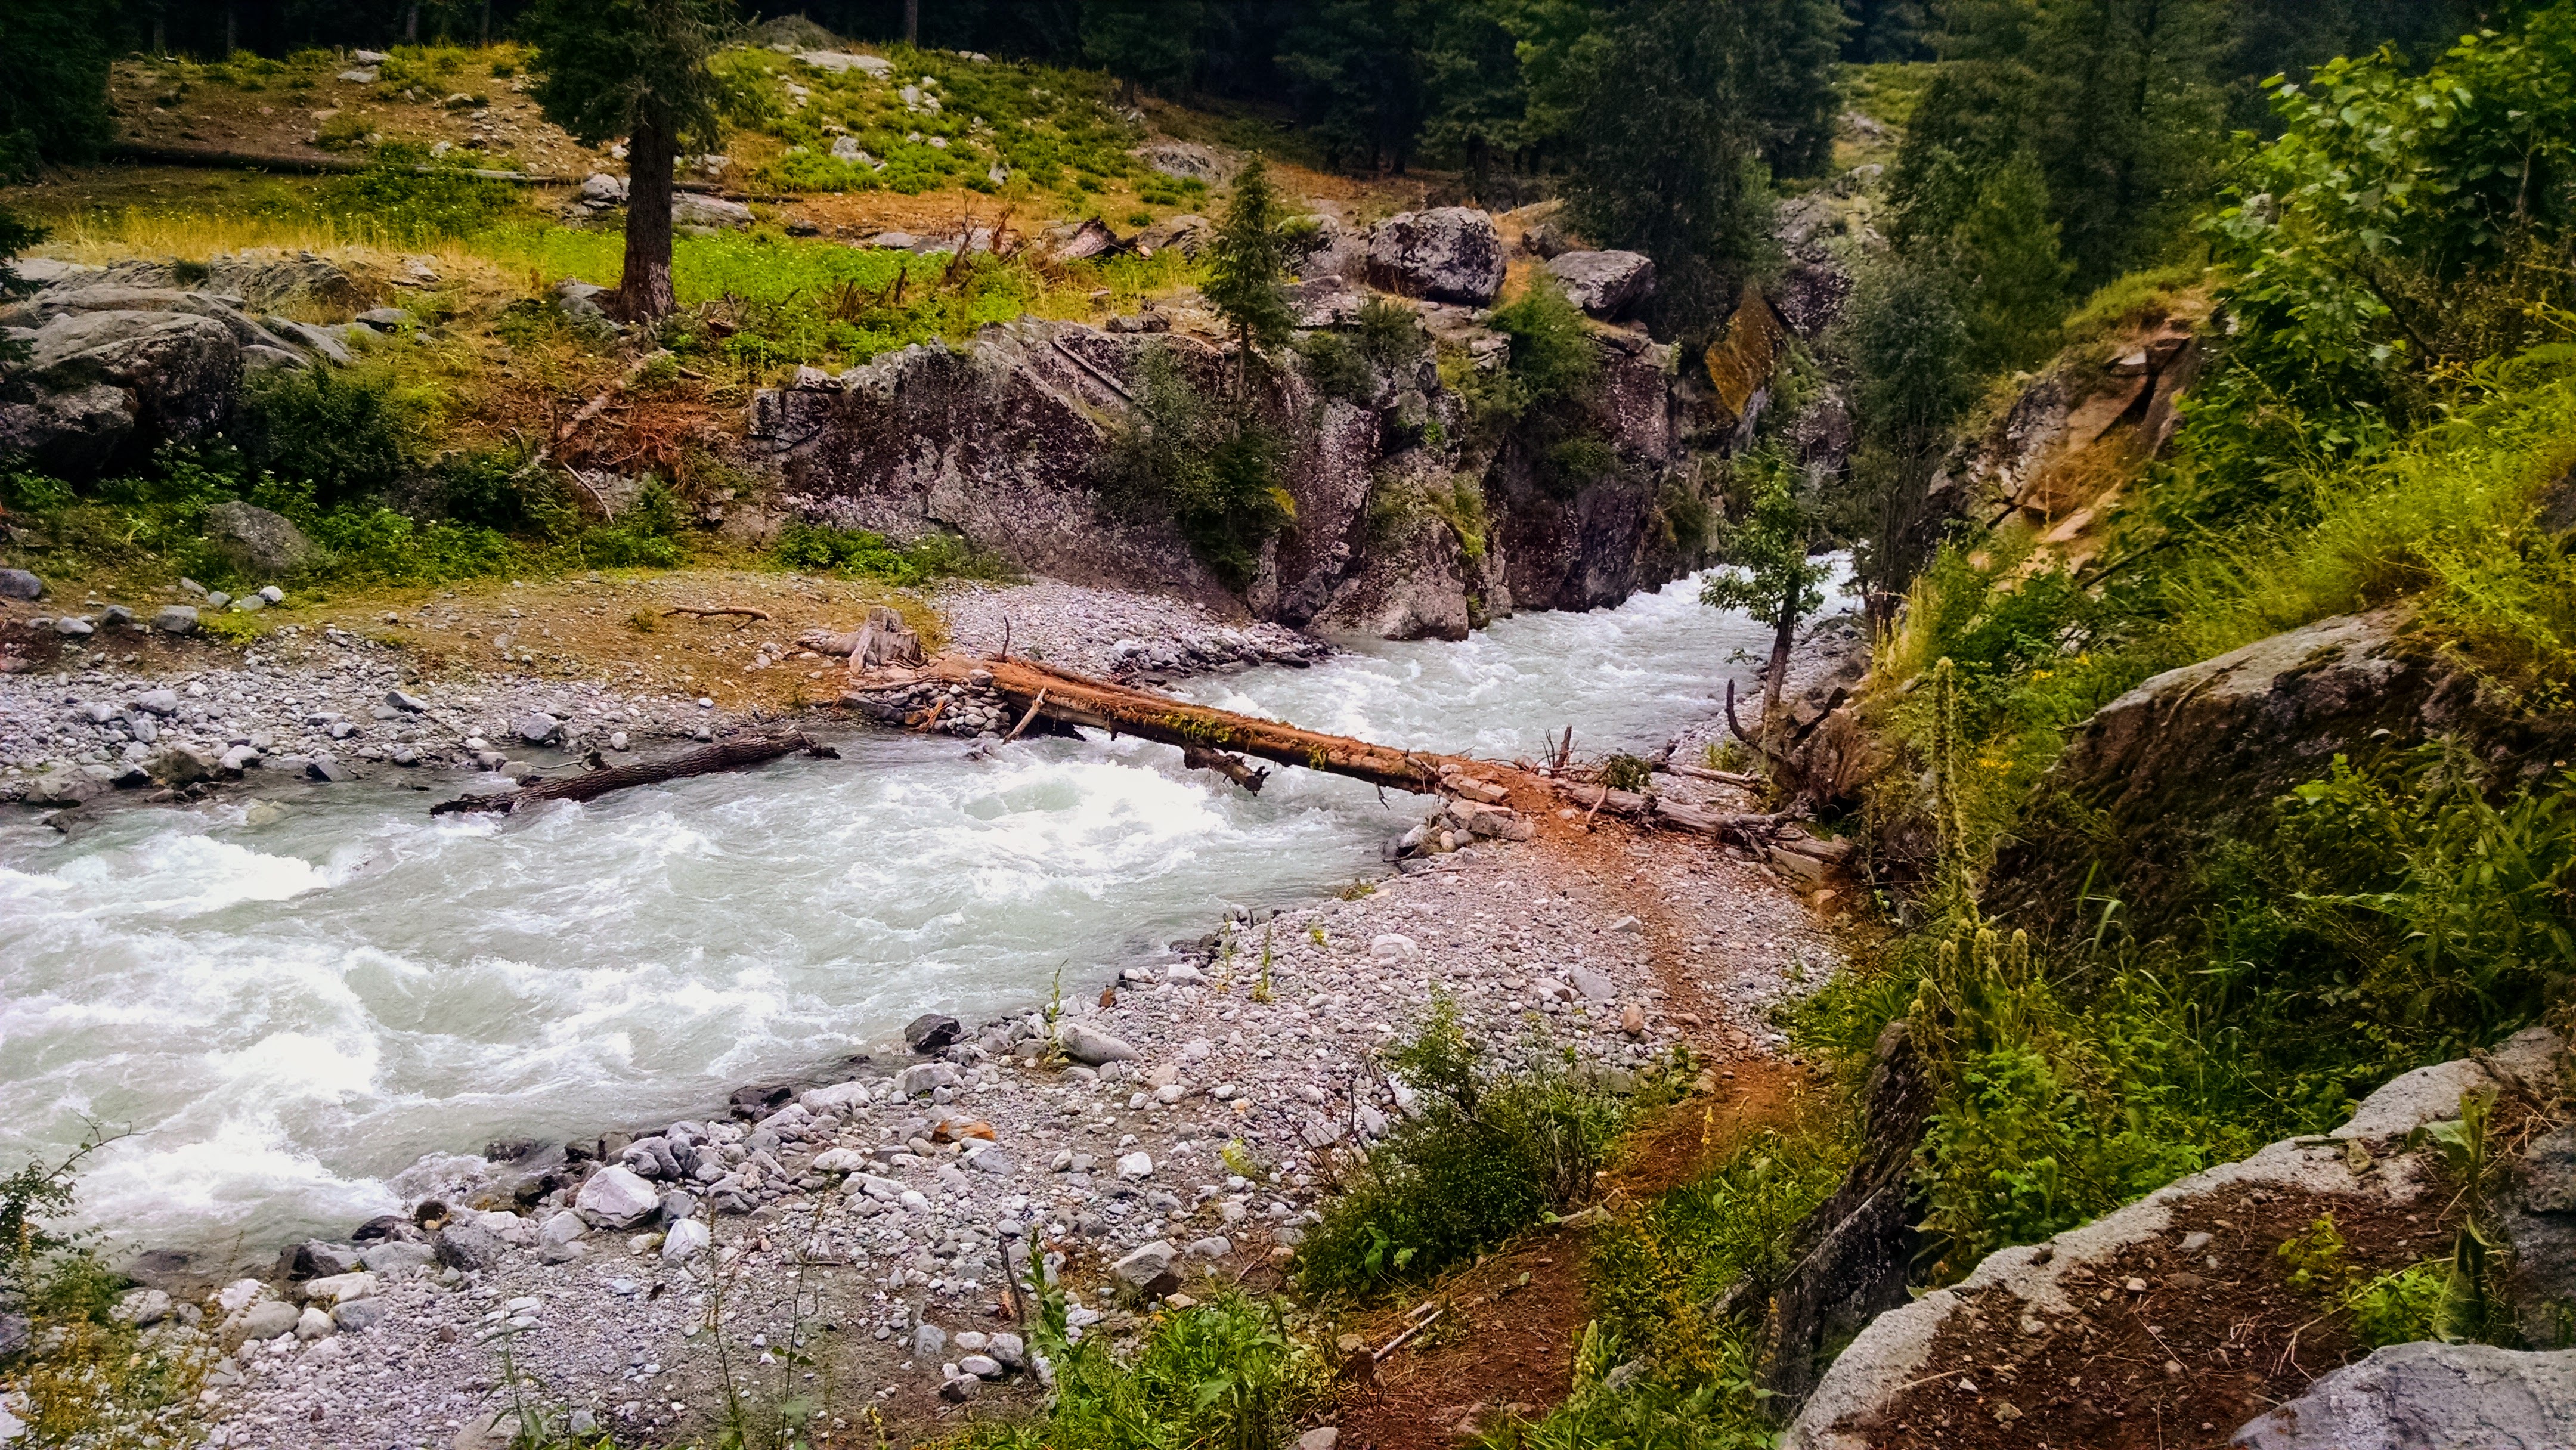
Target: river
point(281, 1009)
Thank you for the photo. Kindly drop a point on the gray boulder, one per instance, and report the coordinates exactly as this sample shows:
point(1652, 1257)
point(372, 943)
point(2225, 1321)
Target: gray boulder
point(539, 729)
point(176, 619)
point(1604, 284)
point(1090, 1045)
point(1189, 231)
point(172, 377)
point(1448, 254)
point(2431, 1397)
point(64, 785)
point(2539, 1220)
point(71, 430)
point(932, 1031)
point(20, 584)
point(183, 765)
point(271, 279)
point(467, 1247)
point(256, 540)
point(693, 209)
point(263, 1321)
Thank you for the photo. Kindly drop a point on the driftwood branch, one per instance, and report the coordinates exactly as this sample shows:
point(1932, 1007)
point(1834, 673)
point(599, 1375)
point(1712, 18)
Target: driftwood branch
point(1722, 777)
point(1233, 767)
point(1022, 727)
point(723, 755)
point(713, 610)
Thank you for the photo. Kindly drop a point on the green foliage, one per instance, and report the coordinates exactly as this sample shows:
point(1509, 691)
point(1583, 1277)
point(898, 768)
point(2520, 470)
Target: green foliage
point(608, 67)
point(1769, 574)
point(1149, 42)
point(83, 1377)
point(1905, 344)
point(1248, 262)
point(1680, 111)
point(1553, 359)
point(408, 197)
point(1336, 366)
point(1230, 1374)
point(1390, 334)
point(341, 436)
point(380, 545)
point(1487, 1155)
point(863, 555)
point(1053, 127)
point(2004, 252)
point(1652, 1271)
point(1211, 468)
point(651, 533)
point(53, 84)
point(2403, 228)
point(1627, 772)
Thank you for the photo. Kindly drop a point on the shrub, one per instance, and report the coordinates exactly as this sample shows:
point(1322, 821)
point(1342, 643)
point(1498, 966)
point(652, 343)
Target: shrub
point(864, 555)
point(1225, 1375)
point(1488, 1155)
point(1552, 357)
point(1212, 468)
point(343, 436)
point(1337, 366)
point(376, 543)
point(1390, 334)
point(648, 536)
point(488, 488)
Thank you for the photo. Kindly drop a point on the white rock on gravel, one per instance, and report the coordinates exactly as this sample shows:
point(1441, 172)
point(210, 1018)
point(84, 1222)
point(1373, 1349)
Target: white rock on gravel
point(615, 1197)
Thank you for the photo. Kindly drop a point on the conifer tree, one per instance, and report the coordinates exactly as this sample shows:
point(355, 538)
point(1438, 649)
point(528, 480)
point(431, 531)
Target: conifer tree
point(637, 69)
point(1248, 267)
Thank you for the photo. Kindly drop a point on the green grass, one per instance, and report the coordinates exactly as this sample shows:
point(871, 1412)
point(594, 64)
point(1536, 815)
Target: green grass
point(1048, 127)
point(1232, 1374)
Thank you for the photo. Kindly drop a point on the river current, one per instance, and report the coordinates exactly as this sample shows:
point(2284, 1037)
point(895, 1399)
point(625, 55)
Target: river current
point(281, 1008)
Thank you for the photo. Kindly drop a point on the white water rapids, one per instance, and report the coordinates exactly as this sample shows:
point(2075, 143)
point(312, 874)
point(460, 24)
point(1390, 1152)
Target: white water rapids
point(280, 1017)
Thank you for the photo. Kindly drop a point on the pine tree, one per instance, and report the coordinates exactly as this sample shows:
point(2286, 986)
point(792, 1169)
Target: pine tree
point(1248, 267)
point(53, 83)
point(638, 69)
point(1153, 43)
point(2004, 254)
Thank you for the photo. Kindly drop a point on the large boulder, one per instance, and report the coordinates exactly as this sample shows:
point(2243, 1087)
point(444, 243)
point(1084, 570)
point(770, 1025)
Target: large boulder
point(2424, 1396)
point(176, 372)
point(1447, 254)
point(694, 209)
point(1604, 284)
point(2539, 1221)
point(256, 540)
point(77, 430)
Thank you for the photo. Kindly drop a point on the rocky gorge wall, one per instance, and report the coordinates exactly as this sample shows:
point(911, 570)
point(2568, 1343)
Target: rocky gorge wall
point(1412, 517)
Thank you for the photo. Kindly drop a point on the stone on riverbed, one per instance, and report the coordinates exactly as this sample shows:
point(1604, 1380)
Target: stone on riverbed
point(1090, 1045)
point(615, 1197)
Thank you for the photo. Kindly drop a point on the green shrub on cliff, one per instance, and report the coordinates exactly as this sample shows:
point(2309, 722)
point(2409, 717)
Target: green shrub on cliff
point(1211, 466)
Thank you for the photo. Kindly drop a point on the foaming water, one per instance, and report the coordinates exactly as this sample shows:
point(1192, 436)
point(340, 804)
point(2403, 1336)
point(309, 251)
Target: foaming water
point(282, 1016)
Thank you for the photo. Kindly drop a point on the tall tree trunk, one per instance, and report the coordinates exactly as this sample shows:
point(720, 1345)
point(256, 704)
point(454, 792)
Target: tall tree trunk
point(411, 23)
point(1776, 678)
point(487, 22)
point(644, 291)
point(160, 31)
point(232, 30)
point(912, 22)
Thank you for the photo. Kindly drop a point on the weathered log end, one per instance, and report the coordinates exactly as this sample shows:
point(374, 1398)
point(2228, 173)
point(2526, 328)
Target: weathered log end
point(590, 785)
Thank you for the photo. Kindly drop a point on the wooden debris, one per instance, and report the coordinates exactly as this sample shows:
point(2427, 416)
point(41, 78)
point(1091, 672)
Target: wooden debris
point(713, 610)
point(590, 785)
point(1421, 1322)
point(1721, 777)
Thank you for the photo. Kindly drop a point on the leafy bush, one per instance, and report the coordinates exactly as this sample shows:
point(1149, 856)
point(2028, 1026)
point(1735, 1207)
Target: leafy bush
point(489, 488)
point(1213, 468)
point(343, 436)
point(1225, 1375)
point(649, 534)
point(1337, 367)
point(1390, 334)
point(1487, 1156)
point(1553, 359)
point(87, 1378)
point(864, 555)
point(376, 543)
point(410, 197)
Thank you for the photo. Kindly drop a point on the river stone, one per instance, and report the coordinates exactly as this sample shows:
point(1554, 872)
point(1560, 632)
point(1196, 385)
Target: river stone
point(981, 1366)
point(467, 1247)
point(1145, 1263)
point(158, 702)
point(256, 540)
point(2418, 1396)
point(687, 1239)
point(1592, 984)
point(357, 1316)
point(615, 1197)
point(928, 1341)
point(20, 584)
point(340, 1288)
point(932, 1031)
point(1009, 1349)
point(261, 1322)
point(539, 729)
point(313, 1324)
point(1087, 1044)
point(692, 209)
point(143, 1308)
point(396, 1255)
point(563, 1227)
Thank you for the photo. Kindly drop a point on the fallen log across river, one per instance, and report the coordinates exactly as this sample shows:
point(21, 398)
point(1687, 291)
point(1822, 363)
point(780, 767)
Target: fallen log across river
point(731, 754)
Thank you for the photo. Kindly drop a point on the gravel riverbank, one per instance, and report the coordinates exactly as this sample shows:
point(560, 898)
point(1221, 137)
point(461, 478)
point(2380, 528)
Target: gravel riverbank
point(869, 1219)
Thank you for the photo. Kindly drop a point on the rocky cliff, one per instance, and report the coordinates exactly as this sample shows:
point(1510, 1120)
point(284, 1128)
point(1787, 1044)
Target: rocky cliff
point(1413, 516)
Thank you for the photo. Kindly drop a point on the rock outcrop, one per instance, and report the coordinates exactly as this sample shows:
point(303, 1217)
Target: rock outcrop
point(1448, 254)
point(1400, 527)
point(2417, 1396)
point(119, 362)
point(1605, 284)
point(2040, 1295)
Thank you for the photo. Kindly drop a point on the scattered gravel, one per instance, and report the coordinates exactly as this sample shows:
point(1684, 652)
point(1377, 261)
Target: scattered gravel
point(1106, 632)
